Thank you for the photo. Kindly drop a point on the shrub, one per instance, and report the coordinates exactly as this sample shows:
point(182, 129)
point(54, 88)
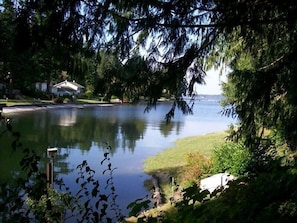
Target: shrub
point(58, 100)
point(59, 203)
point(231, 157)
point(197, 165)
point(66, 100)
point(86, 95)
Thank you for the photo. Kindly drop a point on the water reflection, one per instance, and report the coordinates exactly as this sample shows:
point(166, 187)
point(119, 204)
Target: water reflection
point(70, 128)
point(82, 134)
point(68, 118)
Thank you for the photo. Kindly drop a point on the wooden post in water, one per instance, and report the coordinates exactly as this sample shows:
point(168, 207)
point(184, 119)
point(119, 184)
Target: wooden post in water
point(52, 152)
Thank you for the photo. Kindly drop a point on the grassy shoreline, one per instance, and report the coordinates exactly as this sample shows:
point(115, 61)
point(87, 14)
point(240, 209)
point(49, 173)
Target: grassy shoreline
point(173, 162)
point(174, 158)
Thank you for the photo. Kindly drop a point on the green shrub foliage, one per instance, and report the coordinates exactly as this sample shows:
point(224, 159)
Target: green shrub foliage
point(231, 157)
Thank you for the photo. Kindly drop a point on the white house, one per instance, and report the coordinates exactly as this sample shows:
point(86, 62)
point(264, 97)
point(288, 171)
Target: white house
point(67, 88)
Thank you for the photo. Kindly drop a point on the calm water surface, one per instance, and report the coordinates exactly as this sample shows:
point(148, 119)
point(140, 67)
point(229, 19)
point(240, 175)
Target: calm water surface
point(82, 134)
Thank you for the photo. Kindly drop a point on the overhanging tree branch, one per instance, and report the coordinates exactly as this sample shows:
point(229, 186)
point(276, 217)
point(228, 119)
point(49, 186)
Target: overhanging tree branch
point(271, 64)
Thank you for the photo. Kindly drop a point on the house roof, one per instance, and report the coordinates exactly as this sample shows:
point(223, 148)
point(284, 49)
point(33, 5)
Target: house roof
point(68, 84)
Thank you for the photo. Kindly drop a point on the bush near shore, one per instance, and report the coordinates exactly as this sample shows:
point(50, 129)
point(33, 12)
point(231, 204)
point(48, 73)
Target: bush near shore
point(187, 161)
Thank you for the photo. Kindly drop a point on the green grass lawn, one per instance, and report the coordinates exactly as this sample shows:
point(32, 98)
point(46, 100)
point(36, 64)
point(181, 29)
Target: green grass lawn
point(89, 101)
point(171, 161)
point(173, 158)
point(28, 101)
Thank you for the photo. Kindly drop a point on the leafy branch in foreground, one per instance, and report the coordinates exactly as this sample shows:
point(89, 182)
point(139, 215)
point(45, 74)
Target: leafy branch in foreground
point(31, 182)
point(97, 206)
point(29, 199)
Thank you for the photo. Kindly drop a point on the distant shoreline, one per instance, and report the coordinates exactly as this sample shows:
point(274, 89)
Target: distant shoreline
point(40, 107)
point(47, 105)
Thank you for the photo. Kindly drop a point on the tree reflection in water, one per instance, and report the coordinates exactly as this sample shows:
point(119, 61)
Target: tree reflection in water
point(82, 134)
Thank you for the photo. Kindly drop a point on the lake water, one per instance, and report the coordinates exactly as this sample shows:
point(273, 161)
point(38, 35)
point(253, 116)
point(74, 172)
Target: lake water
point(82, 134)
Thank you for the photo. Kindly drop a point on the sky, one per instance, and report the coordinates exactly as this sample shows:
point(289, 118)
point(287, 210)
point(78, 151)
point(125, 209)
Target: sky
point(213, 83)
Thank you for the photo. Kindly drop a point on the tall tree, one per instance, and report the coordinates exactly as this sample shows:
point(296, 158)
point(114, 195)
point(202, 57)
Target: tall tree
point(261, 86)
point(137, 78)
point(46, 35)
point(7, 16)
point(177, 35)
point(6, 35)
point(109, 76)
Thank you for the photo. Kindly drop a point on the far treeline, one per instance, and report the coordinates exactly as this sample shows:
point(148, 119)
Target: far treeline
point(132, 49)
